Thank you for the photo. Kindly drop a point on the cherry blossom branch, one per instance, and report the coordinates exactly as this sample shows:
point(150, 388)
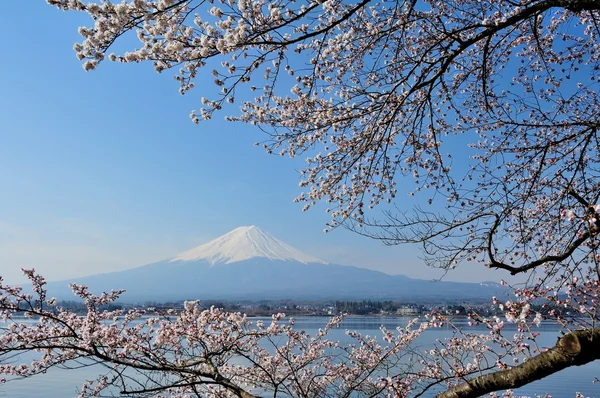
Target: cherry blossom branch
point(573, 349)
point(581, 238)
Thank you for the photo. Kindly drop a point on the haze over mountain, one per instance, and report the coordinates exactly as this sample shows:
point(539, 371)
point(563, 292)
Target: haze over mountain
point(248, 263)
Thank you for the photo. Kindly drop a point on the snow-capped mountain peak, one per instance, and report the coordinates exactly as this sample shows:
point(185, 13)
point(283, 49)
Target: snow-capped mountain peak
point(244, 243)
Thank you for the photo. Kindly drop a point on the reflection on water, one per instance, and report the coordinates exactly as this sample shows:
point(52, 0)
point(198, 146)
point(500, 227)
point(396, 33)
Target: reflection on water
point(61, 383)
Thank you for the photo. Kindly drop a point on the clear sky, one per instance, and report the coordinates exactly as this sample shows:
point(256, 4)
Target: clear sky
point(104, 170)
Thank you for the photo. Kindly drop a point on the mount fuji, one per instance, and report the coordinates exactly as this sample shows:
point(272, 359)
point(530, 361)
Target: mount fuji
point(248, 263)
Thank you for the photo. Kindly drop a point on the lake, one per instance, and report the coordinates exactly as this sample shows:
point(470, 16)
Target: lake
point(59, 383)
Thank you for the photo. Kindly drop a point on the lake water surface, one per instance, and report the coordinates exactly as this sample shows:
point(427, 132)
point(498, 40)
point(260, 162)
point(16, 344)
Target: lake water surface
point(59, 383)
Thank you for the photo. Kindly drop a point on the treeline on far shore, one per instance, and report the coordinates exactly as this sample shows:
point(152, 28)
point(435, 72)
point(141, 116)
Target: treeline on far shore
point(313, 308)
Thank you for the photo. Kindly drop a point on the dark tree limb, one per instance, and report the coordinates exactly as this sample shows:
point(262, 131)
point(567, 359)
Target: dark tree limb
point(582, 237)
point(573, 349)
point(547, 259)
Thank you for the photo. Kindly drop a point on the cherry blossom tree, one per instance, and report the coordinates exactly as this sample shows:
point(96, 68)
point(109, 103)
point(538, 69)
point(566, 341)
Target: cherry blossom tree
point(491, 108)
point(212, 353)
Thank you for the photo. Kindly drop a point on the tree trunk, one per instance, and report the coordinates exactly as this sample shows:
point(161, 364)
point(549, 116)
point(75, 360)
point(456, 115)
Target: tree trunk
point(573, 349)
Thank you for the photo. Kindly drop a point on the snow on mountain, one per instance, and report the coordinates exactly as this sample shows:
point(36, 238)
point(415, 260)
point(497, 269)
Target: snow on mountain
point(244, 243)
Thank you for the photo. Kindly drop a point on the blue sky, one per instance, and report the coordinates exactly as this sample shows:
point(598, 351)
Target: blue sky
point(104, 170)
